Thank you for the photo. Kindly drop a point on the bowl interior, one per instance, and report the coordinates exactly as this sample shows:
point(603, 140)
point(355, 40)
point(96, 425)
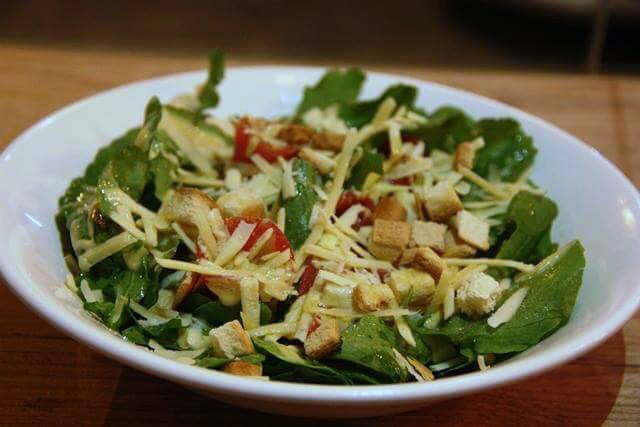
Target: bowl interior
point(597, 205)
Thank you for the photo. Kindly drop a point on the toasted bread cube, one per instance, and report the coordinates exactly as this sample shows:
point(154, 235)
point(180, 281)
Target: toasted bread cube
point(478, 294)
point(429, 234)
point(370, 298)
point(471, 229)
point(389, 238)
point(464, 156)
point(182, 205)
point(244, 369)
point(456, 248)
point(241, 203)
point(328, 141)
point(323, 340)
point(442, 202)
point(391, 209)
point(407, 257)
point(415, 283)
point(230, 340)
point(429, 261)
point(296, 134)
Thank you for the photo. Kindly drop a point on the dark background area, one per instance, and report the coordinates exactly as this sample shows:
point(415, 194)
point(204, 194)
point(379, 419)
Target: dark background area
point(526, 35)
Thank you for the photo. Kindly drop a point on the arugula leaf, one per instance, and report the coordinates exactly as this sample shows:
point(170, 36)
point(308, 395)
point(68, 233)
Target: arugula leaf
point(508, 149)
point(152, 117)
point(369, 343)
point(106, 154)
point(208, 94)
point(360, 113)
point(131, 285)
point(288, 364)
point(212, 362)
point(530, 217)
point(215, 314)
point(253, 358)
point(165, 333)
point(368, 163)
point(553, 288)
point(447, 127)
point(335, 87)
point(298, 208)
point(135, 334)
point(102, 310)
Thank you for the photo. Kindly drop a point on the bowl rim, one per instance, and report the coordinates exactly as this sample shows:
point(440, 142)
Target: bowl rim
point(276, 391)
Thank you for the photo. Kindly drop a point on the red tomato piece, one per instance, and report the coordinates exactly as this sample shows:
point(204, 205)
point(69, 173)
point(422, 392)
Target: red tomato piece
point(264, 149)
point(277, 243)
point(308, 277)
point(407, 180)
point(315, 324)
point(348, 199)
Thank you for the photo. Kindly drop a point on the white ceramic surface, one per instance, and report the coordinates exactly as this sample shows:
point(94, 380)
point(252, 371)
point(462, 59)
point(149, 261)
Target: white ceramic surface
point(597, 204)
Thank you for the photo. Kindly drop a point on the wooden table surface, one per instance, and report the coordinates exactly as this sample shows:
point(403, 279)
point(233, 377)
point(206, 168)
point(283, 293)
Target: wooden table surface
point(46, 378)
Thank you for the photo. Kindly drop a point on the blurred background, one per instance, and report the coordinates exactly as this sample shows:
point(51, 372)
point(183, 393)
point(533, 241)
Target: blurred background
point(583, 36)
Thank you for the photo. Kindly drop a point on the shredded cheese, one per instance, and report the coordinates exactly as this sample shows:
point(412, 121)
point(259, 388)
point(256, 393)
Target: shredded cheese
point(90, 295)
point(183, 236)
point(483, 183)
point(104, 250)
point(341, 173)
point(235, 243)
point(508, 309)
point(205, 233)
point(288, 185)
point(490, 262)
point(384, 111)
point(348, 260)
point(250, 299)
point(334, 278)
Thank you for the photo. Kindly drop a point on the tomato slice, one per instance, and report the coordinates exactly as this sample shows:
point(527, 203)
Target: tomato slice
point(348, 199)
point(315, 324)
point(277, 243)
point(264, 149)
point(308, 277)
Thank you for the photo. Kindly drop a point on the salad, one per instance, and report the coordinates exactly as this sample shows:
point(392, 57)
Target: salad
point(351, 242)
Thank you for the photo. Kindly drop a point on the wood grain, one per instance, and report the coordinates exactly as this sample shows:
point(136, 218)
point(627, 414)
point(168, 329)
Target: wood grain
point(46, 378)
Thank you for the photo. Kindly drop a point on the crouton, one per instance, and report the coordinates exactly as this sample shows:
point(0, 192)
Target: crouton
point(324, 339)
point(328, 141)
point(478, 294)
point(417, 284)
point(241, 203)
point(442, 202)
point(230, 340)
point(429, 261)
point(391, 209)
point(370, 298)
point(407, 257)
point(244, 369)
point(389, 238)
point(226, 288)
point(471, 229)
point(429, 234)
point(296, 134)
point(464, 156)
point(182, 205)
point(456, 248)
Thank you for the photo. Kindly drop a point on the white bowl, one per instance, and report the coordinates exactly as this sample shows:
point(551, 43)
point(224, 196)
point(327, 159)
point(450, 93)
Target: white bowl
point(597, 203)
